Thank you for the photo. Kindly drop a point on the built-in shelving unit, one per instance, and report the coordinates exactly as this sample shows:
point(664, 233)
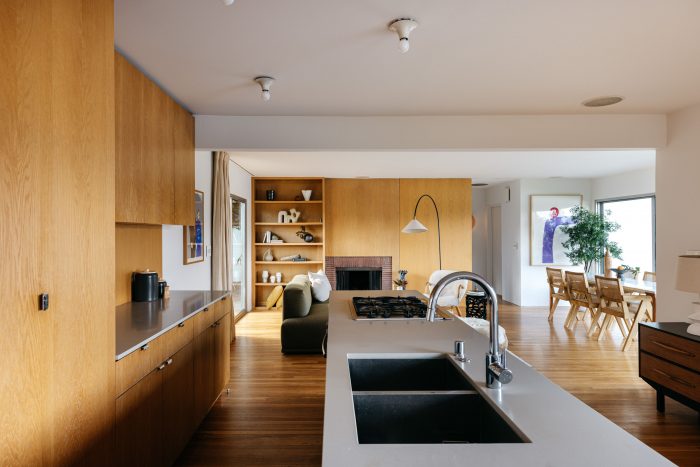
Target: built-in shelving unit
point(265, 218)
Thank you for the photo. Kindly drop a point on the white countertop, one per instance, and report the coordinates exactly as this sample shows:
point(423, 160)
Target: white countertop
point(563, 430)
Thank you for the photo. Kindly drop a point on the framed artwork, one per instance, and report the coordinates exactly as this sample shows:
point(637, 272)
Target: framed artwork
point(548, 213)
point(193, 235)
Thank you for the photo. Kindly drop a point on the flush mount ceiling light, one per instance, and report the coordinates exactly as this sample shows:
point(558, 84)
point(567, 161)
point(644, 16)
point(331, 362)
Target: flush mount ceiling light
point(228, 2)
point(602, 101)
point(265, 82)
point(403, 27)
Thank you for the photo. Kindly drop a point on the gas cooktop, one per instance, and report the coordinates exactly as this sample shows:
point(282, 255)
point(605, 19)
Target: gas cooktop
point(389, 308)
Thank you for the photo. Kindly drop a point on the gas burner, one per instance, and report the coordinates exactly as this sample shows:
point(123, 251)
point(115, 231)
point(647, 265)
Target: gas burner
point(389, 308)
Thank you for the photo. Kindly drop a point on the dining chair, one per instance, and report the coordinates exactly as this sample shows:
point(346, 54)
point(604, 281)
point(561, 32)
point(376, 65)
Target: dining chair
point(557, 289)
point(452, 295)
point(581, 295)
point(626, 310)
point(649, 276)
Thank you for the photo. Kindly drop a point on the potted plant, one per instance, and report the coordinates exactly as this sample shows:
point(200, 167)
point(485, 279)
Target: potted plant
point(401, 282)
point(589, 238)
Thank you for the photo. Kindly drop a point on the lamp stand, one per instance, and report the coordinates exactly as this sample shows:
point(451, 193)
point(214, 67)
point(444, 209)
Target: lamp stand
point(437, 214)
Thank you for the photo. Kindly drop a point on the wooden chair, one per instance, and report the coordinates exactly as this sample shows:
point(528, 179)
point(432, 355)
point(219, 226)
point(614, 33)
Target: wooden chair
point(452, 295)
point(580, 296)
point(649, 276)
point(557, 289)
point(626, 310)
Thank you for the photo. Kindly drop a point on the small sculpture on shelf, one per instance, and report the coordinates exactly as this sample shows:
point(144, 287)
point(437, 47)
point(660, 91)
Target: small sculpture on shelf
point(267, 256)
point(304, 235)
point(284, 217)
point(306, 194)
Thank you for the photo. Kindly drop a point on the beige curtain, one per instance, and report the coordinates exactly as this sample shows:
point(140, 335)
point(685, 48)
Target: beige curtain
point(221, 262)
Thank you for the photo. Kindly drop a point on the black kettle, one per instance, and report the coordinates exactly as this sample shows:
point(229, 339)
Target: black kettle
point(144, 286)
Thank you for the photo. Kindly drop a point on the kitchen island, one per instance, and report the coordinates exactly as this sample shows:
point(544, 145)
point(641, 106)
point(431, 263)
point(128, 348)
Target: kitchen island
point(557, 429)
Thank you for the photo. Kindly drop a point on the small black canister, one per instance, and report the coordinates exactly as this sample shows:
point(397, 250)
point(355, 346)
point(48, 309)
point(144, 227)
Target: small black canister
point(144, 286)
point(161, 288)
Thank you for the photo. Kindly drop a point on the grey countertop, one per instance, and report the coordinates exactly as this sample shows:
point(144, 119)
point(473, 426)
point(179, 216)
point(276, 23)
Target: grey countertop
point(140, 322)
point(562, 429)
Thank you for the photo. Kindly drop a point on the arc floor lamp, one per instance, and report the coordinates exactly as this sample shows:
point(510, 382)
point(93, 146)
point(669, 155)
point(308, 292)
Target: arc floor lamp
point(415, 226)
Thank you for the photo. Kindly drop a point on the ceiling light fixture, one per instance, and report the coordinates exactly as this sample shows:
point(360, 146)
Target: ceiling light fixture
point(602, 101)
point(228, 2)
point(265, 82)
point(403, 27)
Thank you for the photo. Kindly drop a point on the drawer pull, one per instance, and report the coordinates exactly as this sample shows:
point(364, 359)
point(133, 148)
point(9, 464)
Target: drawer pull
point(181, 325)
point(675, 378)
point(161, 366)
point(169, 361)
point(144, 347)
point(673, 349)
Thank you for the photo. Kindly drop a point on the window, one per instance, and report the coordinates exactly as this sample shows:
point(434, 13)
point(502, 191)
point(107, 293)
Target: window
point(637, 234)
point(238, 248)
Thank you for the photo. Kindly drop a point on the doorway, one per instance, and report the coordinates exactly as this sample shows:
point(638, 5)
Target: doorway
point(238, 249)
point(495, 255)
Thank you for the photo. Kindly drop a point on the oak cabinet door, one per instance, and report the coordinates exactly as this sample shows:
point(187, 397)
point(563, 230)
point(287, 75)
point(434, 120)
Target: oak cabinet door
point(178, 403)
point(204, 356)
point(139, 423)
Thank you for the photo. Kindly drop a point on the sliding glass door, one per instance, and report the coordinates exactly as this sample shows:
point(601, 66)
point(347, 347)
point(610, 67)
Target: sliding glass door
point(238, 248)
point(637, 234)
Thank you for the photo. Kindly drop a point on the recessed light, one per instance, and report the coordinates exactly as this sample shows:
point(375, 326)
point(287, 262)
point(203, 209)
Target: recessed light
point(602, 101)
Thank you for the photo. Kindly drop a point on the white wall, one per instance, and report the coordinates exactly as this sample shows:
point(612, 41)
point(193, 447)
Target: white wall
point(677, 219)
point(635, 183)
point(534, 289)
point(195, 276)
point(240, 183)
point(480, 232)
point(598, 131)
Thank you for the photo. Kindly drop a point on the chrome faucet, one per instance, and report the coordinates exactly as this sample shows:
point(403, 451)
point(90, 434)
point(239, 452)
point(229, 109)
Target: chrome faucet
point(496, 371)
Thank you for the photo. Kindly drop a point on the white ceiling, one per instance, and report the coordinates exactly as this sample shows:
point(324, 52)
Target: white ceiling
point(336, 57)
point(481, 166)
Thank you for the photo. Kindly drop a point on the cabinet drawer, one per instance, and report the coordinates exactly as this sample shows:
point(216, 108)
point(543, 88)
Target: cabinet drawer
point(132, 368)
point(671, 376)
point(177, 338)
point(676, 349)
point(224, 307)
point(205, 318)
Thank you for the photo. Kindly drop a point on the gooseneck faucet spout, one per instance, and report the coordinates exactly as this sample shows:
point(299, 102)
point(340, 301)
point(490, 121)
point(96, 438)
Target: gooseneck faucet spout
point(496, 371)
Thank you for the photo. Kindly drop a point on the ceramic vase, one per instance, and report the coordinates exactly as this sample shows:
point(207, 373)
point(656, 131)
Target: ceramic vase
point(306, 194)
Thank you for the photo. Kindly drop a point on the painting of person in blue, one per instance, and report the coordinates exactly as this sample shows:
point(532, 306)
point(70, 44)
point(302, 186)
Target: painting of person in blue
point(550, 226)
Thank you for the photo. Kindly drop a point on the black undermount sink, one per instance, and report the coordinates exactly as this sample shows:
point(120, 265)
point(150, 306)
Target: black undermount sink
point(421, 401)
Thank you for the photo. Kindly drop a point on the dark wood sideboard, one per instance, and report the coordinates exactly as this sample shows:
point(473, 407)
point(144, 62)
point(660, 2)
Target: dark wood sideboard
point(669, 360)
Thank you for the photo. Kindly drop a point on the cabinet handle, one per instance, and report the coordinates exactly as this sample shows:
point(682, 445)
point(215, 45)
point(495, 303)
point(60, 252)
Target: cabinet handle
point(161, 366)
point(675, 378)
point(169, 361)
point(223, 298)
point(205, 309)
point(145, 346)
point(673, 349)
point(181, 325)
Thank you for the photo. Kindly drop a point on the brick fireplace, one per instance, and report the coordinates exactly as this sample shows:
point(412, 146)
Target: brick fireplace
point(383, 262)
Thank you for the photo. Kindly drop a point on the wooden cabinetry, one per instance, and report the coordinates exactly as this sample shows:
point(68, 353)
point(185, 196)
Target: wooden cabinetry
point(57, 232)
point(154, 152)
point(669, 360)
point(265, 218)
point(167, 387)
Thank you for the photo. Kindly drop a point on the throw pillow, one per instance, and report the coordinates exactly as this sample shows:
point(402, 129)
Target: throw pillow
point(320, 287)
point(278, 305)
point(273, 297)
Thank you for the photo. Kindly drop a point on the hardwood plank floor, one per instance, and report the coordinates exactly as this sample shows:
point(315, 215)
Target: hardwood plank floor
point(274, 413)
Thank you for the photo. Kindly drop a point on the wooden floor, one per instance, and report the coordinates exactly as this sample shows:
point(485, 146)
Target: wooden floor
point(274, 413)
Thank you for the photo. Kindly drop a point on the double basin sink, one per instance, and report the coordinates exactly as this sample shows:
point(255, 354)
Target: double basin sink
point(422, 401)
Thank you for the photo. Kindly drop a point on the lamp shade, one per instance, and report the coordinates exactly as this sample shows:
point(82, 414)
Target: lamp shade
point(414, 226)
point(688, 273)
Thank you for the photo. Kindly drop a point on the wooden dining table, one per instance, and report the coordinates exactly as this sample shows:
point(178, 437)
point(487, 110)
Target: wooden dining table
point(643, 287)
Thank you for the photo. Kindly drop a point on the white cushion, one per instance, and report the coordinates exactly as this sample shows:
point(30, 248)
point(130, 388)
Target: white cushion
point(483, 327)
point(320, 287)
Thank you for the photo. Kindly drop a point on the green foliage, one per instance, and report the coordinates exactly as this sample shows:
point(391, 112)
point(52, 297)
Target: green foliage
point(588, 238)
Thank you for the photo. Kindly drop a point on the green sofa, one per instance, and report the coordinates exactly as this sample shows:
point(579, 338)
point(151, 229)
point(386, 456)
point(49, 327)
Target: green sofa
point(304, 320)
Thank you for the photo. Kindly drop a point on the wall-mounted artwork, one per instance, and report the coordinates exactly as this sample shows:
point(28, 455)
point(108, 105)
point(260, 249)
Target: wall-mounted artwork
point(548, 214)
point(193, 235)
